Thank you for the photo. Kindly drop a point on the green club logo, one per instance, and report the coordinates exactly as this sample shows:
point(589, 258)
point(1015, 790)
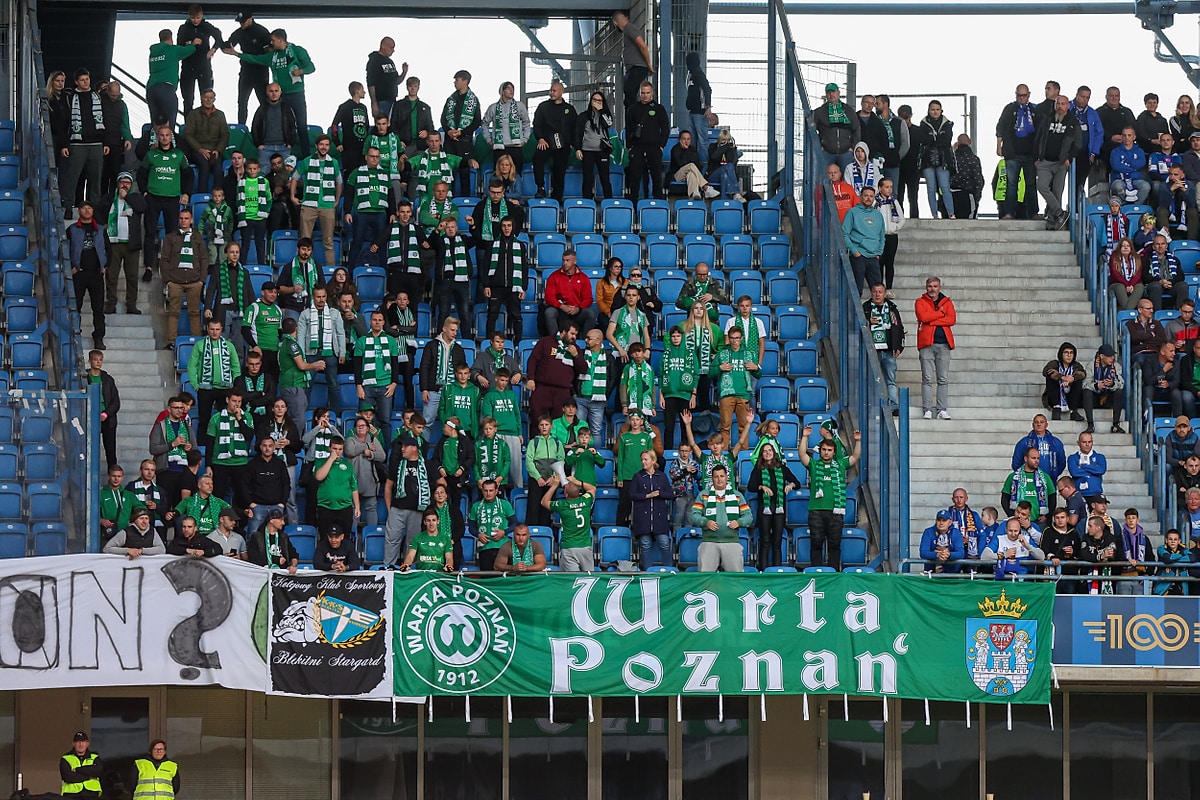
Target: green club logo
point(458, 637)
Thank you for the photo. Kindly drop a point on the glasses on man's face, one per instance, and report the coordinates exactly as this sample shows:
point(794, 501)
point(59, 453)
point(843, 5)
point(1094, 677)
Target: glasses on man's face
point(635, 274)
point(1022, 94)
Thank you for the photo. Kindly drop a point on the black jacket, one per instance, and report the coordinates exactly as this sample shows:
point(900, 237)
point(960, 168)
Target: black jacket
point(198, 61)
point(890, 154)
point(267, 482)
point(401, 120)
point(1068, 128)
point(1148, 128)
point(895, 334)
point(503, 277)
point(137, 202)
point(936, 144)
point(555, 119)
point(875, 135)
point(254, 40)
point(1113, 120)
point(582, 119)
point(257, 401)
point(256, 548)
point(699, 92)
point(515, 210)
point(264, 428)
point(108, 391)
point(681, 155)
point(1006, 131)
point(258, 128)
point(89, 132)
point(179, 546)
point(466, 461)
point(324, 556)
point(647, 125)
point(429, 356)
point(115, 113)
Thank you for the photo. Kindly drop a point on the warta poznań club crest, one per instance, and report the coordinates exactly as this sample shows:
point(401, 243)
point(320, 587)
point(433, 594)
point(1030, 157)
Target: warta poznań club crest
point(1001, 647)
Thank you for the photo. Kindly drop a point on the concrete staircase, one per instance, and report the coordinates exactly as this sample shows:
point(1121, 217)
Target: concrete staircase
point(1018, 296)
point(144, 374)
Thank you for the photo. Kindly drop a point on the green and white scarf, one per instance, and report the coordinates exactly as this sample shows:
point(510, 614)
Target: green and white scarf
point(493, 212)
point(487, 456)
point(506, 125)
point(389, 153)
point(254, 195)
point(525, 556)
point(431, 168)
point(749, 329)
point(187, 255)
point(837, 114)
point(404, 249)
point(517, 251)
point(405, 318)
point(114, 221)
point(371, 188)
point(772, 478)
point(77, 115)
point(879, 330)
point(630, 325)
point(457, 266)
point(220, 216)
point(465, 115)
point(729, 500)
point(177, 456)
point(320, 182)
point(639, 386)
point(237, 297)
point(700, 340)
point(445, 369)
point(230, 441)
point(377, 353)
point(595, 381)
point(320, 331)
point(423, 493)
point(216, 366)
point(307, 271)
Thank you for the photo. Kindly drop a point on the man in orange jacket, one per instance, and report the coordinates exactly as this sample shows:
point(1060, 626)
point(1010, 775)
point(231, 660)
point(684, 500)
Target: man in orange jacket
point(935, 340)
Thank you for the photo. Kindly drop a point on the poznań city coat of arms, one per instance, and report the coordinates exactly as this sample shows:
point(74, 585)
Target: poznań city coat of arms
point(1001, 647)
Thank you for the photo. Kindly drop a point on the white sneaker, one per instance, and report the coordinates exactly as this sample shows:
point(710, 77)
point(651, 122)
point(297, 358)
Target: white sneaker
point(891, 295)
point(710, 192)
point(694, 195)
point(739, 197)
point(927, 415)
point(943, 415)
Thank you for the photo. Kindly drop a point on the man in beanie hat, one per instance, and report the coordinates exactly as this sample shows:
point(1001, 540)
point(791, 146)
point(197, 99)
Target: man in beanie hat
point(121, 215)
point(838, 128)
point(139, 539)
point(1104, 386)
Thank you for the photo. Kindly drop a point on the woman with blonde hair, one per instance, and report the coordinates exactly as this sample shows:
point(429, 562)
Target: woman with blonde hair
point(506, 170)
point(1184, 123)
point(722, 165)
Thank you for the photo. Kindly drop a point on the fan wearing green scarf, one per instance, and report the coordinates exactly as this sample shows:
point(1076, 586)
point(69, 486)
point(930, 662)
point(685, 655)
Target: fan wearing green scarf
point(506, 126)
point(230, 294)
point(838, 128)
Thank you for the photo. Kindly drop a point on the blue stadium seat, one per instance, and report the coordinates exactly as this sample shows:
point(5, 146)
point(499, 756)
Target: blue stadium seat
point(783, 287)
point(31, 379)
point(673, 316)
point(737, 251)
point(774, 395)
point(854, 545)
point(764, 216)
point(791, 322)
point(589, 250)
point(627, 247)
point(8, 136)
point(35, 426)
point(6, 424)
point(18, 279)
point(780, 569)
point(41, 461)
point(687, 546)
point(283, 247)
point(14, 540)
point(801, 358)
point(616, 544)
point(604, 510)
point(660, 569)
point(49, 539)
point(304, 539)
point(801, 546)
point(746, 282)
point(8, 462)
point(12, 207)
point(183, 351)
point(25, 351)
point(699, 247)
point(728, 217)
point(11, 498)
point(199, 203)
point(654, 216)
point(812, 394)
point(606, 474)
point(580, 215)
point(371, 283)
point(21, 314)
point(319, 252)
point(770, 358)
point(520, 502)
point(465, 205)
point(691, 216)
point(10, 174)
point(662, 251)
point(670, 283)
point(616, 215)
point(774, 252)
point(44, 501)
point(548, 250)
point(543, 215)
point(789, 429)
point(544, 536)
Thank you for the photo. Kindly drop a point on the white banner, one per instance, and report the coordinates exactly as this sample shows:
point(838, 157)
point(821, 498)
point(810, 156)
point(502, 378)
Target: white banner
point(103, 620)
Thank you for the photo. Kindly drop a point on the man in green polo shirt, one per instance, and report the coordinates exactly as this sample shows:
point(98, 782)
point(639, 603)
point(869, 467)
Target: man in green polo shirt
point(116, 503)
point(260, 327)
point(490, 519)
point(294, 372)
point(576, 553)
point(337, 490)
point(203, 506)
point(167, 178)
point(827, 496)
point(430, 549)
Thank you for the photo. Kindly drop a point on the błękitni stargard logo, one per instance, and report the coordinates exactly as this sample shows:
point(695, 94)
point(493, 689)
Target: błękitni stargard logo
point(1001, 647)
point(458, 637)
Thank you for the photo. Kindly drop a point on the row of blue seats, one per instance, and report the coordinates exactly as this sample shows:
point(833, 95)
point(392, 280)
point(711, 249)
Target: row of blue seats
point(39, 501)
point(580, 215)
point(18, 540)
point(661, 251)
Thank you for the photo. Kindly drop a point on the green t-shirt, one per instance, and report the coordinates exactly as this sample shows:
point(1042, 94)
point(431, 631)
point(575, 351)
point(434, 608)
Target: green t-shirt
point(431, 551)
point(98, 379)
point(1027, 488)
point(291, 376)
point(338, 488)
point(264, 319)
point(827, 484)
point(502, 406)
point(230, 446)
point(629, 459)
point(164, 62)
point(490, 517)
point(677, 372)
point(164, 171)
point(582, 464)
point(576, 516)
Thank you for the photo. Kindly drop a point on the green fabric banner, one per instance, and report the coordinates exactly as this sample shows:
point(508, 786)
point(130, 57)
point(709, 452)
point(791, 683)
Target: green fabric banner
point(705, 634)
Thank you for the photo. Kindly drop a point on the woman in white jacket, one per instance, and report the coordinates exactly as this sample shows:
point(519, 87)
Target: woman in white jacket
point(893, 221)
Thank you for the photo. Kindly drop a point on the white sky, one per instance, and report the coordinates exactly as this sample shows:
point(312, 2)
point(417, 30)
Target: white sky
point(927, 55)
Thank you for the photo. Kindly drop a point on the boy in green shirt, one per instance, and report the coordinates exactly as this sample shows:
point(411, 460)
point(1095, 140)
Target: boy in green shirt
point(337, 490)
point(576, 553)
point(566, 428)
point(216, 225)
point(827, 496)
point(637, 382)
point(461, 399)
point(732, 369)
point(582, 458)
point(490, 519)
point(492, 457)
point(500, 403)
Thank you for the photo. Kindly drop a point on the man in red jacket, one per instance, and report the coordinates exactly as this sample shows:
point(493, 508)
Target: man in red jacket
point(569, 298)
point(935, 340)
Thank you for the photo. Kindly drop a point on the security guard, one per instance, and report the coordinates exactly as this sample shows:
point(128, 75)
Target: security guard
point(157, 776)
point(80, 769)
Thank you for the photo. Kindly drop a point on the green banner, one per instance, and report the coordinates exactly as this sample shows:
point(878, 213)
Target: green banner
point(715, 633)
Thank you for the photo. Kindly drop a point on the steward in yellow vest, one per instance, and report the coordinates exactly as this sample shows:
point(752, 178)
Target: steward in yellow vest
point(80, 770)
point(157, 776)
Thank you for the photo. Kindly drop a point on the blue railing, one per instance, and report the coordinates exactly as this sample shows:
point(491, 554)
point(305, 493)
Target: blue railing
point(882, 482)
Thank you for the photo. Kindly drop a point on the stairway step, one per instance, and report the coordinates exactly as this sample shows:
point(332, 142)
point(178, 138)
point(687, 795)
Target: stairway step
point(958, 226)
point(1061, 263)
point(925, 234)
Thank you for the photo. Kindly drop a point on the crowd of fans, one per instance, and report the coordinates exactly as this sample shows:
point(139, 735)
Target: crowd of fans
point(424, 440)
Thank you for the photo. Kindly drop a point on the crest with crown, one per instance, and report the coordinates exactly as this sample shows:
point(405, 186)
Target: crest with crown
point(1003, 607)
